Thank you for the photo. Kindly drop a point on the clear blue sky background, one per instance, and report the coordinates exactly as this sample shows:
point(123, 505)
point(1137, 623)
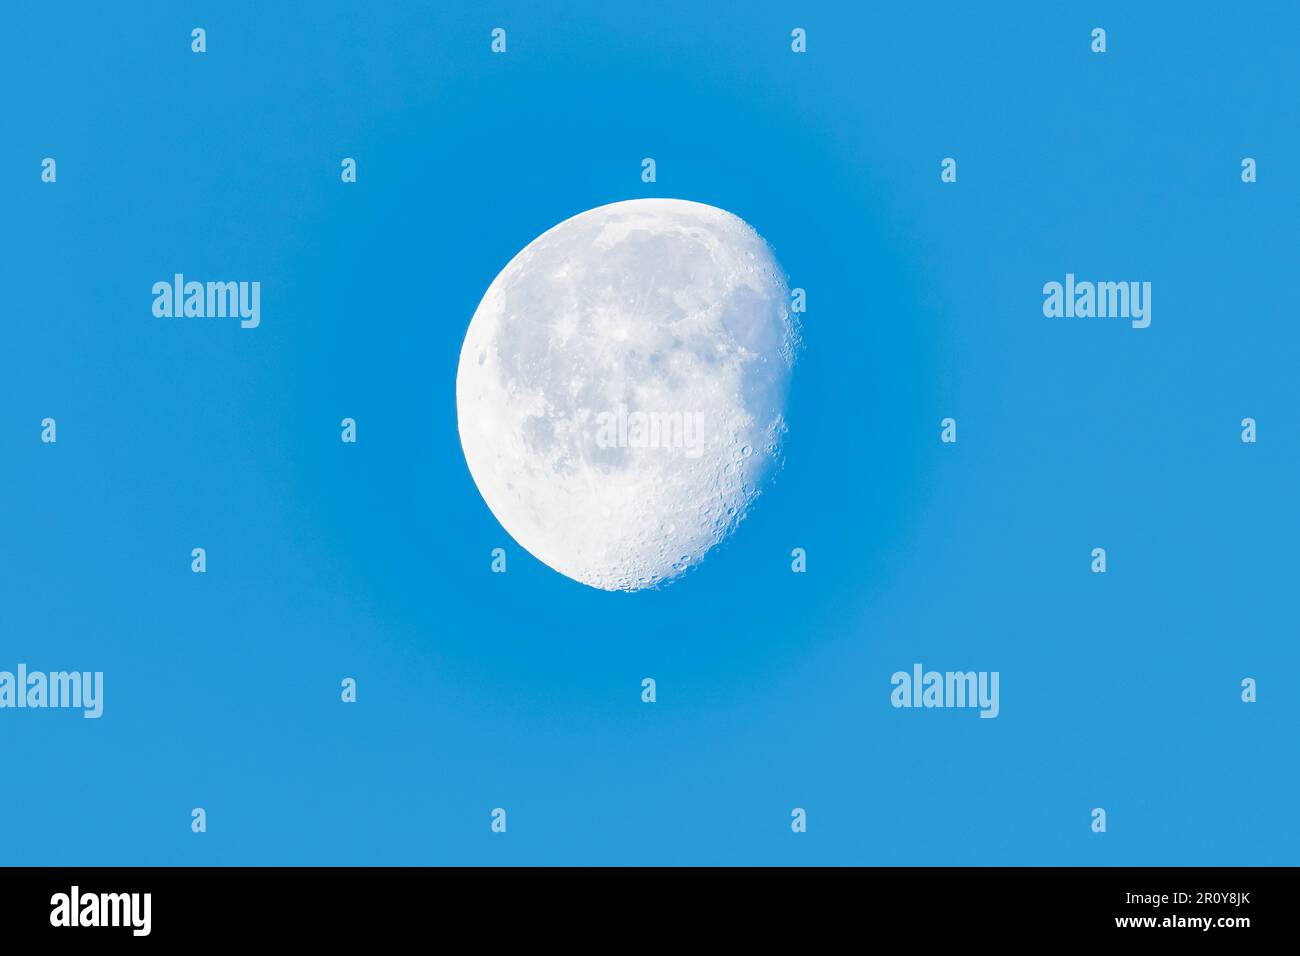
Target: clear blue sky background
point(523, 690)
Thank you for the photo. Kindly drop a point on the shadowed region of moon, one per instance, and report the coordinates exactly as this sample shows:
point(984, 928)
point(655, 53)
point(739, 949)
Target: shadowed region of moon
point(622, 388)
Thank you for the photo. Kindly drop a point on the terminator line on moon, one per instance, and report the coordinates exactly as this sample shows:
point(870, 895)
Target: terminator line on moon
point(621, 391)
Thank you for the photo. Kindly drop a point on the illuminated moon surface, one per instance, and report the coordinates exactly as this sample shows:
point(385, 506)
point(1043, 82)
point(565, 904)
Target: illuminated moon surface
point(622, 388)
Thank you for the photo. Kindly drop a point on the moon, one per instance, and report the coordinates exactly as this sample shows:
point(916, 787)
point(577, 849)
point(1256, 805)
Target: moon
point(622, 390)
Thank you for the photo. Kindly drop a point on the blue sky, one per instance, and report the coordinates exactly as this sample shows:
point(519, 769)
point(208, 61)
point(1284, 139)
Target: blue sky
point(522, 690)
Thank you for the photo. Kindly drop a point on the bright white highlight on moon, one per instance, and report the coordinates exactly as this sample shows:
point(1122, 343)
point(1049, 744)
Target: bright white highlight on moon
point(622, 387)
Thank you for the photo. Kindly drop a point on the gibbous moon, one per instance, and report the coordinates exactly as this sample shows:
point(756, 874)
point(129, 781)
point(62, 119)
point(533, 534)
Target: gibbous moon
point(622, 388)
